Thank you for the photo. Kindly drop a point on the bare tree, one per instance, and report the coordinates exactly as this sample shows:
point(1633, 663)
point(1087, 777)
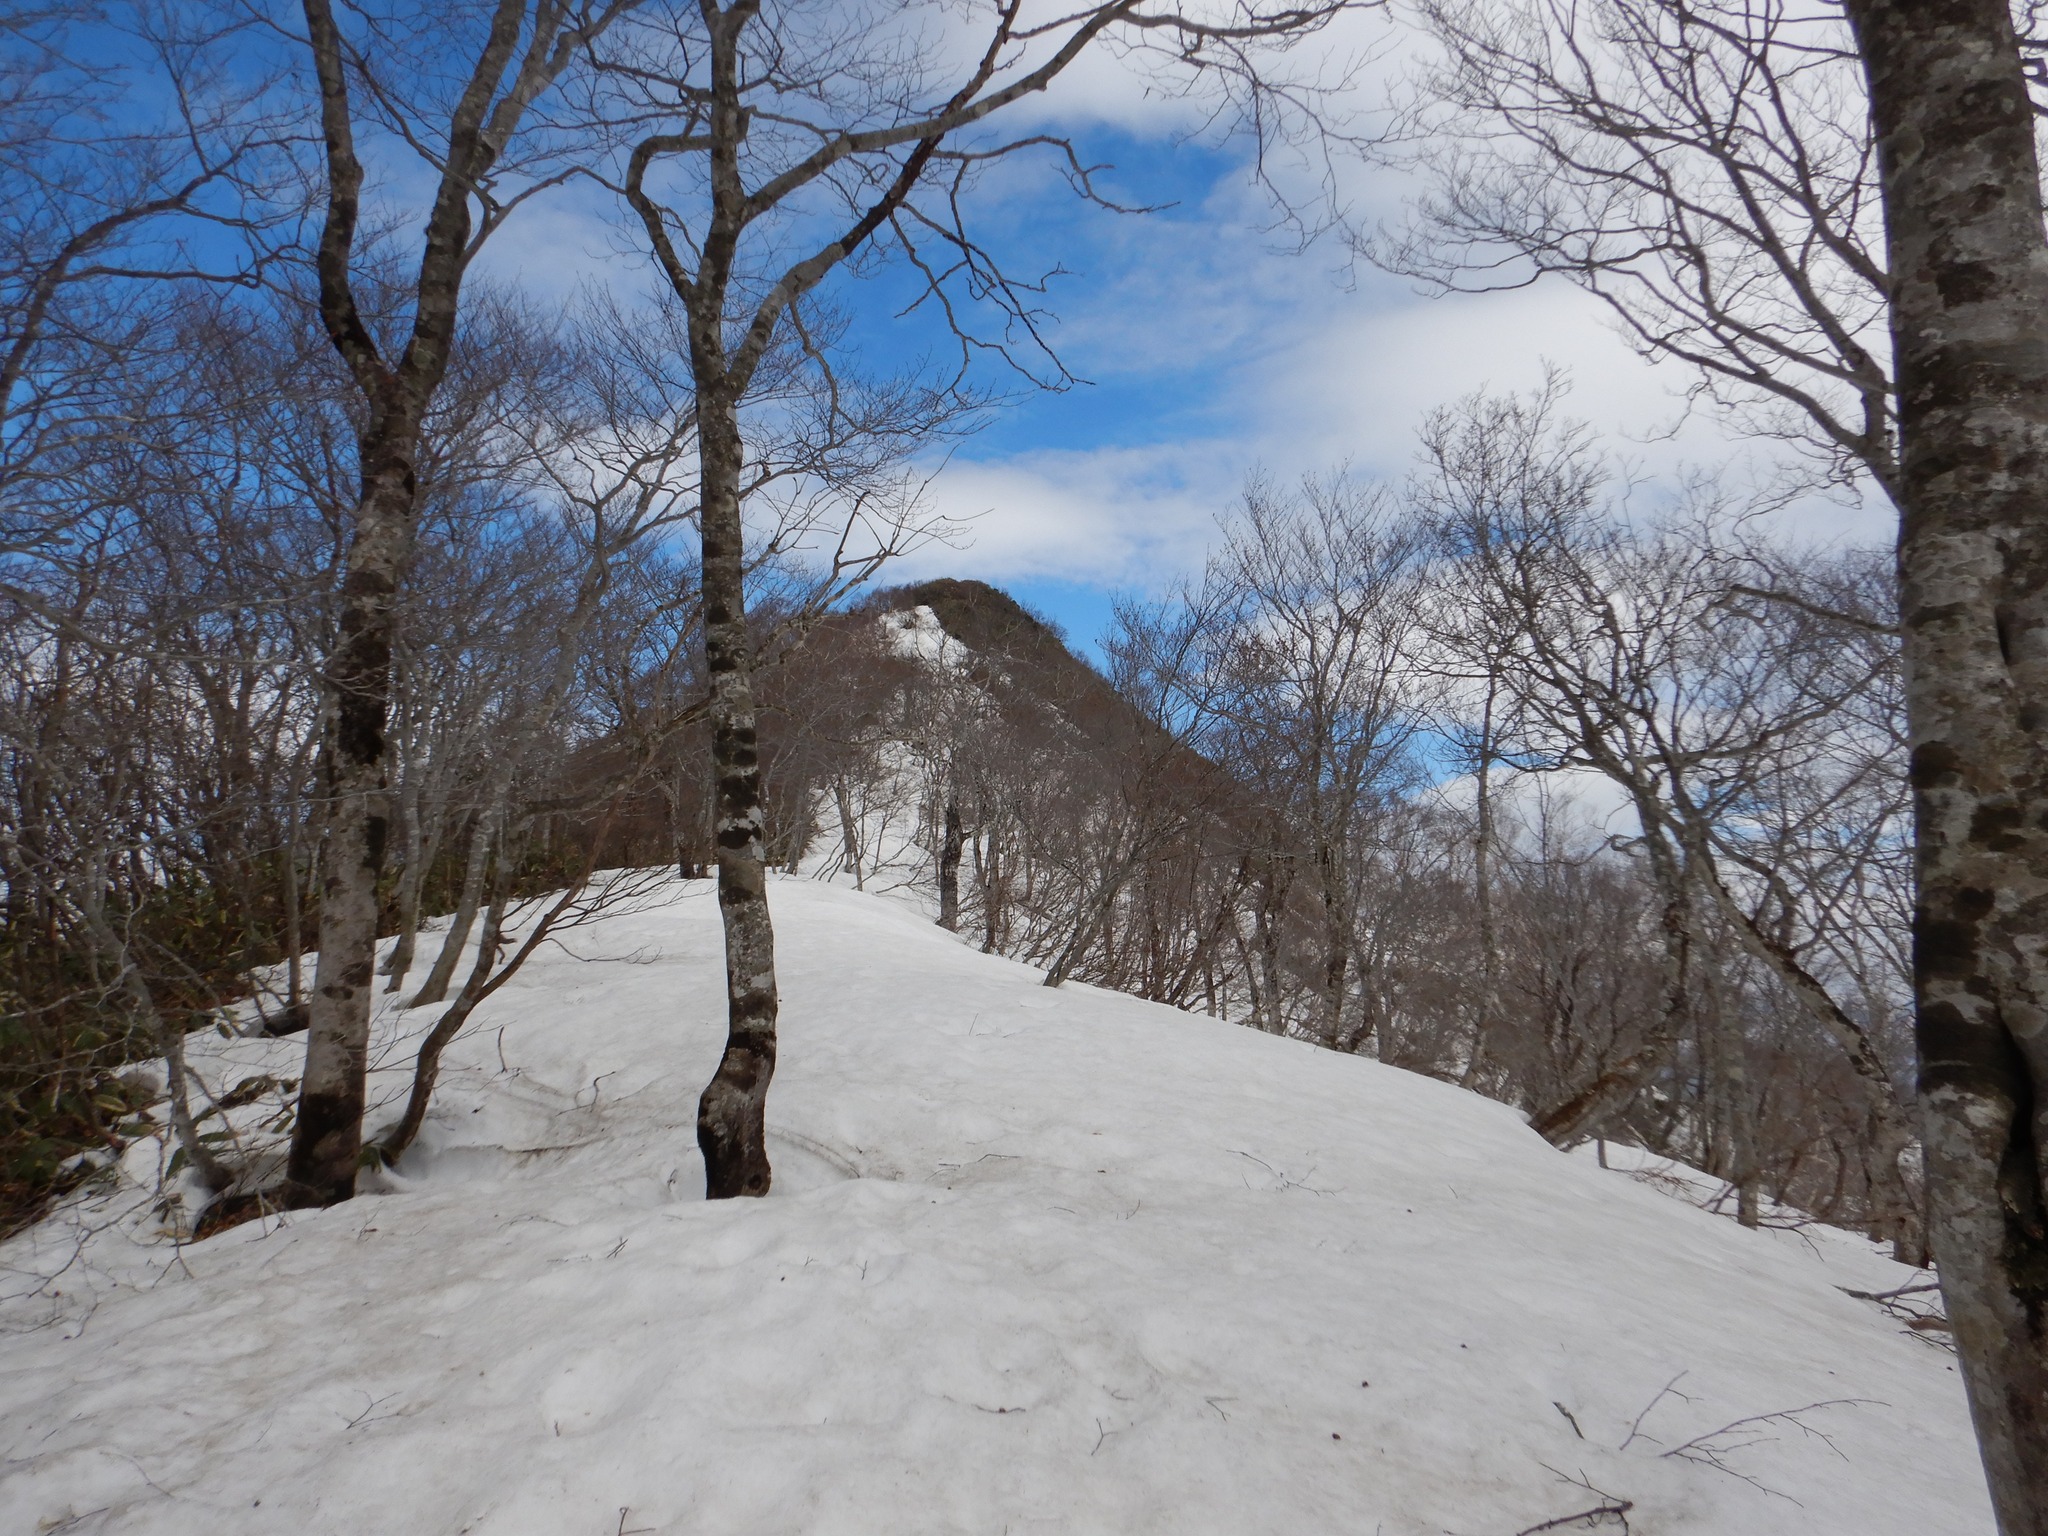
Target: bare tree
point(157, 709)
point(1949, 116)
point(771, 125)
point(1705, 170)
point(1318, 693)
point(1969, 319)
point(132, 161)
point(483, 169)
point(1624, 655)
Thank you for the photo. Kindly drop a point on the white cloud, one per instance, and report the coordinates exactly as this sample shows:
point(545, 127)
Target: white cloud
point(1304, 384)
point(1299, 371)
point(1112, 517)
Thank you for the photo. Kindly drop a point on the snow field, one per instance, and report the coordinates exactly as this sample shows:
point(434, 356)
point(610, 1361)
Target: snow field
point(1035, 1261)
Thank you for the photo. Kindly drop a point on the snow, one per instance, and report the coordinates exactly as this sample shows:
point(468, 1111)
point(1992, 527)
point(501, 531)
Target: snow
point(1035, 1261)
point(890, 800)
point(918, 632)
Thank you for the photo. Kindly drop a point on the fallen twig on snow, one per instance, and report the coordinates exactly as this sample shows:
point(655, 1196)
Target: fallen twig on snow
point(1714, 1447)
point(1611, 1513)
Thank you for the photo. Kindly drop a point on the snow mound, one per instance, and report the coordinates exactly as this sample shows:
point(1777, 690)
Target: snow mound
point(1035, 1261)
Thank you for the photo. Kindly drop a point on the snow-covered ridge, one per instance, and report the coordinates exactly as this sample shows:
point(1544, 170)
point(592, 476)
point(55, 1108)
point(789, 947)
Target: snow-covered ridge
point(1035, 1261)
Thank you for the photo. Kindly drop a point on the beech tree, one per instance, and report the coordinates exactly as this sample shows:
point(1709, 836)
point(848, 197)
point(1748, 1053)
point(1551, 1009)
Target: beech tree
point(1293, 665)
point(788, 145)
point(1702, 169)
point(1320, 697)
point(516, 51)
point(158, 710)
point(1968, 267)
point(129, 166)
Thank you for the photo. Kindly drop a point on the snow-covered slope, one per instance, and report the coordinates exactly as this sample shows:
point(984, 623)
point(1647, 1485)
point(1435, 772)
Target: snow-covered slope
point(1035, 1261)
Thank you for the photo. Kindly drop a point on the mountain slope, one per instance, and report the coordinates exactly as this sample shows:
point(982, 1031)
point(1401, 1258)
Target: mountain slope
point(1003, 637)
point(1036, 1261)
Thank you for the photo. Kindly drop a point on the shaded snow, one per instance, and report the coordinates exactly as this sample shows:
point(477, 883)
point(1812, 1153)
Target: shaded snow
point(1035, 1261)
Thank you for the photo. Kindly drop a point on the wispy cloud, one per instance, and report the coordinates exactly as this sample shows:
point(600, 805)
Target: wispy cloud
point(1291, 371)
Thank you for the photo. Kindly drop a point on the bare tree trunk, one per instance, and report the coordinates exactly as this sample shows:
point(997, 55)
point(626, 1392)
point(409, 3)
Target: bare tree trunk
point(949, 867)
point(518, 57)
point(1367, 1035)
point(732, 1114)
point(994, 885)
point(800, 835)
point(1738, 1106)
point(412, 833)
point(294, 921)
point(430, 825)
point(1482, 894)
point(1269, 923)
point(1969, 302)
point(178, 1088)
point(1336, 943)
point(327, 1135)
point(435, 988)
point(426, 1070)
point(1742, 1145)
point(849, 830)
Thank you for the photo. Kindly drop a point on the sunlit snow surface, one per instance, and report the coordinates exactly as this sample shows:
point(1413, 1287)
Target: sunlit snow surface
point(1035, 1261)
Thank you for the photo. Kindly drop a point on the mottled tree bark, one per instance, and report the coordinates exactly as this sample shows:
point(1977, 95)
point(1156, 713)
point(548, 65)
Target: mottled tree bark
point(949, 867)
point(1969, 271)
point(396, 392)
point(327, 1134)
point(294, 929)
point(731, 1115)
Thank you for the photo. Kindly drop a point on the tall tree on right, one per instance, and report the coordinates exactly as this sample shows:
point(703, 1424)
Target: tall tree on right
point(1969, 317)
